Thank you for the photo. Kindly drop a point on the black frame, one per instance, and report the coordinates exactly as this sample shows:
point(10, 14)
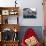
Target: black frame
point(29, 13)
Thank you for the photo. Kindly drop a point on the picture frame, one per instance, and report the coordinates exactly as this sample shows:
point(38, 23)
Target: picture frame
point(10, 19)
point(29, 12)
point(9, 34)
point(13, 20)
point(5, 12)
point(13, 12)
point(6, 34)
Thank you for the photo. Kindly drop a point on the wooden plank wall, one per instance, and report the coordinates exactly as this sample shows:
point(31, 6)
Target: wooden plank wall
point(44, 8)
point(11, 26)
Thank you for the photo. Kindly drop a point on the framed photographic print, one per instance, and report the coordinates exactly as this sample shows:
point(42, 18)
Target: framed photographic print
point(9, 34)
point(5, 12)
point(29, 12)
point(13, 12)
point(12, 20)
point(5, 20)
point(6, 34)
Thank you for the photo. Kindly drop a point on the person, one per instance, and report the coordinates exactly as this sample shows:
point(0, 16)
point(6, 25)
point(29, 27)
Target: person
point(30, 38)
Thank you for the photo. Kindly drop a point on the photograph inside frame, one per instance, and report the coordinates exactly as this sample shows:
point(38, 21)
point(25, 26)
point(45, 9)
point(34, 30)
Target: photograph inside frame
point(29, 12)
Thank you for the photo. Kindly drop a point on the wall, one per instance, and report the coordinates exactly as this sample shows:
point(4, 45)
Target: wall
point(27, 4)
point(44, 13)
point(45, 22)
point(28, 22)
point(32, 4)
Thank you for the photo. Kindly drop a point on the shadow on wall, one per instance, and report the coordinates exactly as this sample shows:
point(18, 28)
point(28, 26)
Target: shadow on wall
point(38, 30)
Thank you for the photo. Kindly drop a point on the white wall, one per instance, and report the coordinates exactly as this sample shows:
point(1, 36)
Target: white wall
point(6, 3)
point(32, 4)
point(27, 4)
